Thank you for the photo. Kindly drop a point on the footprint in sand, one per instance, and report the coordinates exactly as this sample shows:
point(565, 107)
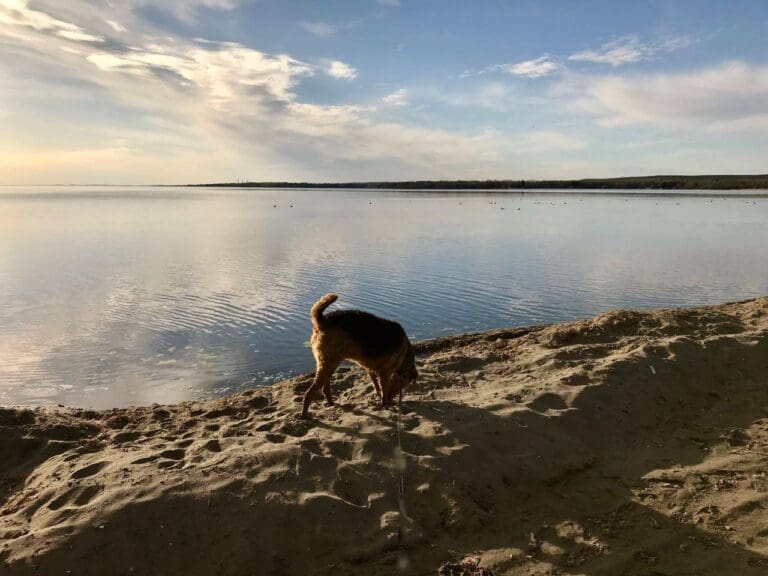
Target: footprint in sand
point(219, 412)
point(295, 428)
point(173, 454)
point(312, 445)
point(60, 501)
point(266, 427)
point(410, 424)
point(123, 437)
point(258, 402)
point(172, 458)
point(89, 470)
point(146, 459)
point(577, 379)
point(213, 445)
point(88, 493)
point(80, 451)
point(235, 431)
point(76, 496)
point(546, 402)
point(188, 424)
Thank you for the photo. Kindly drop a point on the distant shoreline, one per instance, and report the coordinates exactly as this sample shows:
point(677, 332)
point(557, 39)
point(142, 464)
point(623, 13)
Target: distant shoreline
point(661, 182)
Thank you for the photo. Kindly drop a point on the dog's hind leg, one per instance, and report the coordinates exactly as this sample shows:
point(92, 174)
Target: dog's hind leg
point(322, 382)
point(330, 368)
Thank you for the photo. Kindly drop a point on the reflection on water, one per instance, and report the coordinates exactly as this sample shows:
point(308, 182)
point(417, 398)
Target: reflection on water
point(123, 296)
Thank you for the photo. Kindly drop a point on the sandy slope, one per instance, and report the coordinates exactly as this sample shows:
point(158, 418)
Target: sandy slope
point(628, 444)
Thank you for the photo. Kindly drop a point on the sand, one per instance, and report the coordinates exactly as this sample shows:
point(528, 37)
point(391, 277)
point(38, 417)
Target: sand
point(632, 443)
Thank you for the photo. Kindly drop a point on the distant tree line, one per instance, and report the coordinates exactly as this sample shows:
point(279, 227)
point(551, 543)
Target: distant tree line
point(709, 182)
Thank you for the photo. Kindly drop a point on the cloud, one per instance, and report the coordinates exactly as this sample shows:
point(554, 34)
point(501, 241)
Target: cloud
point(729, 97)
point(18, 14)
point(218, 4)
point(321, 29)
point(116, 26)
point(338, 69)
point(188, 10)
point(389, 2)
point(397, 98)
point(496, 96)
point(630, 49)
point(536, 68)
point(233, 104)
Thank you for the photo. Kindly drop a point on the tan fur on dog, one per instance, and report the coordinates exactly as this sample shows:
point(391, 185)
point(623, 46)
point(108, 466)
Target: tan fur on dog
point(378, 345)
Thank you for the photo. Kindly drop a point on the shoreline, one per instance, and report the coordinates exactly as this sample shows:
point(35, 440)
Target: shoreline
point(626, 443)
point(656, 181)
point(758, 192)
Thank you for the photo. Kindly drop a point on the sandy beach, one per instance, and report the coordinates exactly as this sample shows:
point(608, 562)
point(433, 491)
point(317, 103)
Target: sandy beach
point(631, 443)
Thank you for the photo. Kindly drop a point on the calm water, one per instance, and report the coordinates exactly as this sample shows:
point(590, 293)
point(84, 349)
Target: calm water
point(120, 296)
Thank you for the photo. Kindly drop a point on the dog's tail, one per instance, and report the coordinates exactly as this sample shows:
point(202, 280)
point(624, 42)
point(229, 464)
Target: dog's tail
point(319, 307)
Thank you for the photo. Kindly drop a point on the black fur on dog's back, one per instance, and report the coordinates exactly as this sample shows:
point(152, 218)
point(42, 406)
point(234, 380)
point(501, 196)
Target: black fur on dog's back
point(375, 336)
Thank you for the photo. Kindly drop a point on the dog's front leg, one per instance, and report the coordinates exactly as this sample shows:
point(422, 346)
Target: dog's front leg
point(376, 385)
point(385, 380)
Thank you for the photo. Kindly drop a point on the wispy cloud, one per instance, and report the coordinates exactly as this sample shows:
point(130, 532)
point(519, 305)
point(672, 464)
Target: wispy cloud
point(729, 97)
point(188, 10)
point(219, 74)
point(495, 96)
point(397, 98)
point(630, 49)
point(340, 70)
point(17, 14)
point(389, 2)
point(537, 68)
point(116, 26)
point(320, 29)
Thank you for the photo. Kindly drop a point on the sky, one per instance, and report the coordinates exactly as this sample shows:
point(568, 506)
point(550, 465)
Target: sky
point(183, 91)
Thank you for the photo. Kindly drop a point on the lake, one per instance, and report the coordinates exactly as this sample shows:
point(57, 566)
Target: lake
point(116, 296)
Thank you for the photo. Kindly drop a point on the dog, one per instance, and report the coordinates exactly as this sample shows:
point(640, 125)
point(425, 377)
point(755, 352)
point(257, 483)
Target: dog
point(380, 346)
